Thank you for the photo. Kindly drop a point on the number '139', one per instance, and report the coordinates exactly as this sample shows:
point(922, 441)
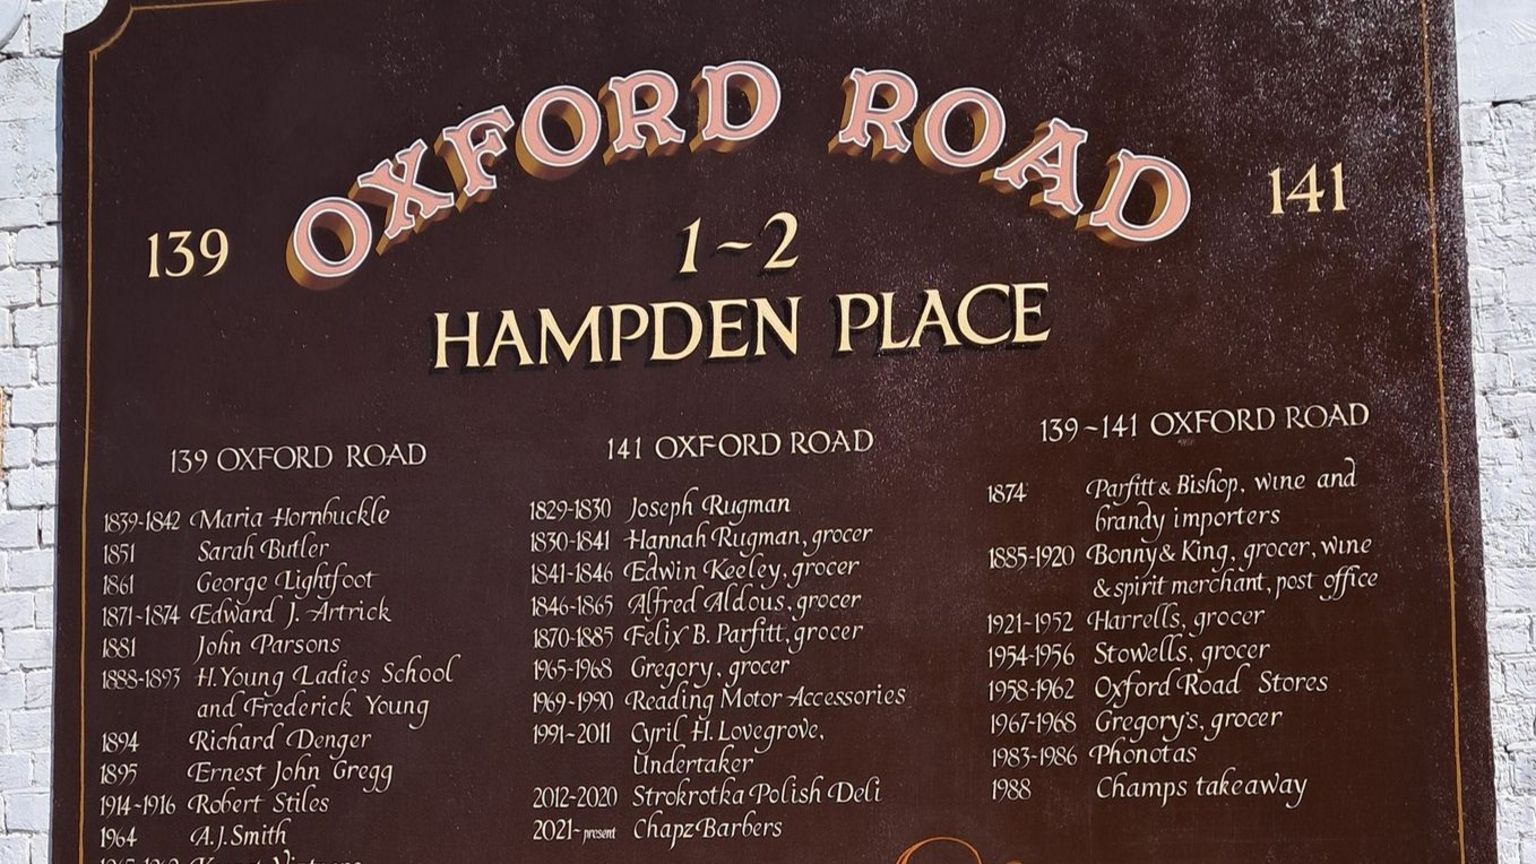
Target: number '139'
point(171, 257)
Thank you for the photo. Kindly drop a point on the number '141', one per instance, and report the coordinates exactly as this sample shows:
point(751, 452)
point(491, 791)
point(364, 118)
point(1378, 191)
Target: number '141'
point(1306, 190)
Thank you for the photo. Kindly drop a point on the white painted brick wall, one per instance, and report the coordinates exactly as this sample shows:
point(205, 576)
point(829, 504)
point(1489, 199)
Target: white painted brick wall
point(29, 329)
point(1497, 45)
point(1496, 49)
point(1499, 152)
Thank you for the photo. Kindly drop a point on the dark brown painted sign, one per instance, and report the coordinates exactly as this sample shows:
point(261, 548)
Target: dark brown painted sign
point(917, 433)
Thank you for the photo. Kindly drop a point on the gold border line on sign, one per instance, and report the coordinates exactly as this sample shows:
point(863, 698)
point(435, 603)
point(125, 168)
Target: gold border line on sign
point(1445, 446)
point(1434, 262)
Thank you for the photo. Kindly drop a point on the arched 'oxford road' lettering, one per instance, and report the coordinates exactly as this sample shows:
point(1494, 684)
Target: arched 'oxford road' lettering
point(878, 110)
